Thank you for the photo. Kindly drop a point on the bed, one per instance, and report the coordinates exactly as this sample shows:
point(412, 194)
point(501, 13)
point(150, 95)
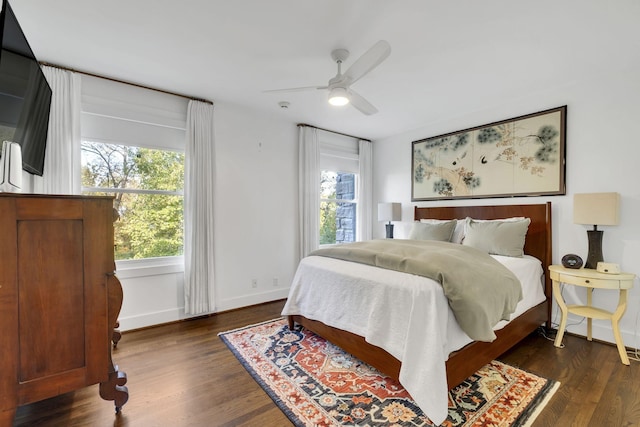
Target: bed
point(462, 362)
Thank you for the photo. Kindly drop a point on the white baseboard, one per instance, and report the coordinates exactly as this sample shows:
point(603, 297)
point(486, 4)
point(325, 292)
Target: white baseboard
point(247, 300)
point(151, 319)
point(144, 320)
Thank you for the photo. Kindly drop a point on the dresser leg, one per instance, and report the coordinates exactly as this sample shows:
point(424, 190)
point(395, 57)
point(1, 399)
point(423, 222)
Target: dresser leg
point(114, 388)
point(116, 336)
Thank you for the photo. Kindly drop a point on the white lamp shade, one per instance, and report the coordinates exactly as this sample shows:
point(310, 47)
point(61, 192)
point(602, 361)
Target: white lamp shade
point(596, 208)
point(389, 211)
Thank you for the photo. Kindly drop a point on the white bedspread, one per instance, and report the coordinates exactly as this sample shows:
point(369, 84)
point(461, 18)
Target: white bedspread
point(404, 314)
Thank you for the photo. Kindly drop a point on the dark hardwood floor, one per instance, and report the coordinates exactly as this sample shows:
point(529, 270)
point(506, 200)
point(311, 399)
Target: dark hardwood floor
point(183, 375)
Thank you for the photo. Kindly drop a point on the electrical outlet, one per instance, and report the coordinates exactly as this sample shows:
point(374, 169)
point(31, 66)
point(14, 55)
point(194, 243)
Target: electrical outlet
point(254, 283)
point(275, 281)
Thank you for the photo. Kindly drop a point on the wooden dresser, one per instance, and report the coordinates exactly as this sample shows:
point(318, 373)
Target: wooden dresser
point(59, 299)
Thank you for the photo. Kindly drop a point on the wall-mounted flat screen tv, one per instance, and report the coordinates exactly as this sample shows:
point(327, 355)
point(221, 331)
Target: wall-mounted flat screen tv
point(25, 95)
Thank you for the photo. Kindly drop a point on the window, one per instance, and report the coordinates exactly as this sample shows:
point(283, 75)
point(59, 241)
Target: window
point(338, 207)
point(133, 142)
point(147, 185)
point(339, 165)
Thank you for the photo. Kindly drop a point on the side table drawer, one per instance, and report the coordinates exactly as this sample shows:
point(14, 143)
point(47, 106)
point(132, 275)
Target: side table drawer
point(589, 282)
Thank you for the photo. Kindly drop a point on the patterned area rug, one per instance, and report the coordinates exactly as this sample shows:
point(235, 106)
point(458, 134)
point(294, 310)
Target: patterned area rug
point(317, 384)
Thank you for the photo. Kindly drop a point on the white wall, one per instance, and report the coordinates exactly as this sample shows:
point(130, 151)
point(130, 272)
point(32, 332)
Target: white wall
point(256, 215)
point(602, 156)
point(255, 223)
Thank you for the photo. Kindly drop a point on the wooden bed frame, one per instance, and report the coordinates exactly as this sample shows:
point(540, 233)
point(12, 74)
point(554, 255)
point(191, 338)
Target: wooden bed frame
point(469, 359)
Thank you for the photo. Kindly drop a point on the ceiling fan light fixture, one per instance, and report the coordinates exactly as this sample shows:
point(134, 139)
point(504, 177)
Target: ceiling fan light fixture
point(338, 96)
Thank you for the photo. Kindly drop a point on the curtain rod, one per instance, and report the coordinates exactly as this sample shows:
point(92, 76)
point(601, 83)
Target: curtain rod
point(124, 82)
point(332, 131)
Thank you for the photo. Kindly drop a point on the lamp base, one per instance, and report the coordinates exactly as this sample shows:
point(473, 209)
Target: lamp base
point(595, 249)
point(389, 230)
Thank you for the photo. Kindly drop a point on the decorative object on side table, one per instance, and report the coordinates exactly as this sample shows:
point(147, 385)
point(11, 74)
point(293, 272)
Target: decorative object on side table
point(595, 209)
point(591, 280)
point(608, 267)
point(389, 212)
point(571, 261)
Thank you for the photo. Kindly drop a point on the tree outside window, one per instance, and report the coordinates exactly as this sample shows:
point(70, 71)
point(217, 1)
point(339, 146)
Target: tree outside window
point(147, 187)
point(337, 207)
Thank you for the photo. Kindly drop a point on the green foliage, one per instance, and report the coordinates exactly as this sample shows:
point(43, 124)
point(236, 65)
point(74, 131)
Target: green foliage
point(327, 223)
point(328, 209)
point(150, 225)
point(153, 226)
point(160, 170)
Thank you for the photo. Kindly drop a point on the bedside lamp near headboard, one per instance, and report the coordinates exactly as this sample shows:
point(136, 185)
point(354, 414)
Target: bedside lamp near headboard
point(595, 209)
point(389, 212)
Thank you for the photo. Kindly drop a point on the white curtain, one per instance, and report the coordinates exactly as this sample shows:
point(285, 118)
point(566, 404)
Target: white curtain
point(62, 155)
point(308, 189)
point(365, 190)
point(199, 291)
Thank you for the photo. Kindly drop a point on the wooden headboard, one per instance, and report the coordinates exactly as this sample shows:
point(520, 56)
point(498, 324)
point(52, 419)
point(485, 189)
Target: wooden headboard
point(538, 242)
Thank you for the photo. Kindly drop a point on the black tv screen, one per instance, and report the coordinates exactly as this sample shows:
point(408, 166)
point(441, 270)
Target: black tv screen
point(25, 95)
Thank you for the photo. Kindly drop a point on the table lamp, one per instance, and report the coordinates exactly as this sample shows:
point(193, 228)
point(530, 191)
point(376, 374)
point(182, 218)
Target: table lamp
point(389, 212)
point(595, 209)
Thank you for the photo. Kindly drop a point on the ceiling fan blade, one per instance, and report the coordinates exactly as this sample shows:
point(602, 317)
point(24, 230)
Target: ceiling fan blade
point(296, 89)
point(368, 61)
point(361, 104)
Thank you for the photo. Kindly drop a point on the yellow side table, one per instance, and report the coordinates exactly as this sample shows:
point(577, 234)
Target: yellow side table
point(592, 279)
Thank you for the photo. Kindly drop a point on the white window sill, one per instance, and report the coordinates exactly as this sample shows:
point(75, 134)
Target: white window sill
point(329, 245)
point(126, 269)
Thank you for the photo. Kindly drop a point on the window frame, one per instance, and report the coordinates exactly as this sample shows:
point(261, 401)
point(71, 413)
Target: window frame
point(123, 114)
point(354, 201)
point(141, 266)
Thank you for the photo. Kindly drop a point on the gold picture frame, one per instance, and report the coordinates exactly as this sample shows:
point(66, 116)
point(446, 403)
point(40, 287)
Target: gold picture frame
point(522, 156)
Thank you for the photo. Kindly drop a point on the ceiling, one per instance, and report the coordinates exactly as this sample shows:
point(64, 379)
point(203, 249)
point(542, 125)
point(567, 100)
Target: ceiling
point(448, 58)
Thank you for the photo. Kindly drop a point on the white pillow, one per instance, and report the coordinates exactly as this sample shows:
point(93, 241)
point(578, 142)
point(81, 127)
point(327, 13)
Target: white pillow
point(497, 237)
point(458, 231)
point(440, 230)
point(512, 219)
point(464, 227)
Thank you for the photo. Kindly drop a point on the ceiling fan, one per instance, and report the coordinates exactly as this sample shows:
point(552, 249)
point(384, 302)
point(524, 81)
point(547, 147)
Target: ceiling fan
point(339, 87)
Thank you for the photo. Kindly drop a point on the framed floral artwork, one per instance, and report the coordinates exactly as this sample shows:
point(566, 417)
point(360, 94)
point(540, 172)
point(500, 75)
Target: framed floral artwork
point(523, 156)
